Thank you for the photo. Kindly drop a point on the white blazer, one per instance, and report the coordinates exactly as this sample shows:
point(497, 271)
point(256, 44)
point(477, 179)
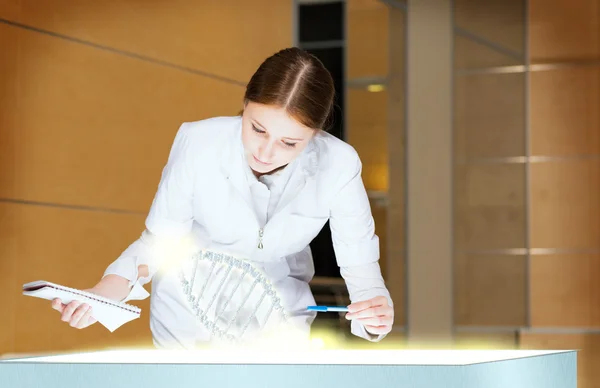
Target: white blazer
point(204, 191)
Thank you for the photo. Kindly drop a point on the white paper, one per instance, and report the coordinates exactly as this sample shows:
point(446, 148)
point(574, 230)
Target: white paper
point(111, 314)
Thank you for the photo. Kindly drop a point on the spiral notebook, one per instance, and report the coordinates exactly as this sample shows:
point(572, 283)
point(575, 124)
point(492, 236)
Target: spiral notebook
point(110, 313)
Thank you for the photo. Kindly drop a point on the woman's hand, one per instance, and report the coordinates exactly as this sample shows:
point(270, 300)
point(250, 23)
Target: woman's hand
point(375, 314)
point(79, 314)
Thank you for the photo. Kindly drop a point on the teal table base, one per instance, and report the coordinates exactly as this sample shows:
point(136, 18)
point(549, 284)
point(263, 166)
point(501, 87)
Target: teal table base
point(550, 370)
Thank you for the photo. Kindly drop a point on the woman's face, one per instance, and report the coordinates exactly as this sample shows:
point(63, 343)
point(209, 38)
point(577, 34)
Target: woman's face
point(271, 138)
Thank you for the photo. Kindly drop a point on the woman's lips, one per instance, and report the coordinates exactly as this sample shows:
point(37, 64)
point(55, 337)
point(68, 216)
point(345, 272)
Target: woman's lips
point(257, 160)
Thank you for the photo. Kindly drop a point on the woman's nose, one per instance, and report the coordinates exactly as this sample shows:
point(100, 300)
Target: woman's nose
point(265, 152)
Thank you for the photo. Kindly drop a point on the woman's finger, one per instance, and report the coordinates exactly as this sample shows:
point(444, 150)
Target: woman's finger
point(360, 306)
point(371, 312)
point(376, 321)
point(378, 330)
point(57, 305)
point(78, 314)
point(86, 319)
point(69, 310)
point(367, 304)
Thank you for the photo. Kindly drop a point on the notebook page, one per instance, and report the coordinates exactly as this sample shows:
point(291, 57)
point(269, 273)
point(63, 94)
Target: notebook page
point(111, 314)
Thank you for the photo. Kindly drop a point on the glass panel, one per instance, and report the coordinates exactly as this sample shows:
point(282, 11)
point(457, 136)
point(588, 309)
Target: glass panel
point(473, 55)
point(489, 116)
point(490, 212)
point(490, 290)
point(490, 165)
point(368, 39)
point(367, 132)
point(499, 22)
point(375, 125)
point(396, 203)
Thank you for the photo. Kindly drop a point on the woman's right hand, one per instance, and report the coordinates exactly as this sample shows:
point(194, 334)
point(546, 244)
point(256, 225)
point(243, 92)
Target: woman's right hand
point(80, 315)
point(76, 313)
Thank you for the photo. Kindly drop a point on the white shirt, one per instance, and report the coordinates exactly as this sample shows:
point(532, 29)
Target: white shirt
point(266, 191)
point(207, 190)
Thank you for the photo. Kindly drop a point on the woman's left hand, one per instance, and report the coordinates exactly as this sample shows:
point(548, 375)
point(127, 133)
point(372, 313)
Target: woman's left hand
point(375, 314)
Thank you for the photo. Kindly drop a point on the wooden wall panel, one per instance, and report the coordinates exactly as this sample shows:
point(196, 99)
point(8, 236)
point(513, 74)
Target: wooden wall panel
point(564, 111)
point(489, 115)
point(565, 210)
point(565, 290)
point(10, 9)
point(490, 208)
point(73, 248)
point(490, 290)
point(588, 357)
point(9, 92)
point(368, 38)
point(561, 30)
point(94, 128)
point(8, 278)
point(227, 38)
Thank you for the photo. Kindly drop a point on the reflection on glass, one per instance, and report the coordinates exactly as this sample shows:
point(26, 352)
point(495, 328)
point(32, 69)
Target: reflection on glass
point(490, 290)
point(490, 169)
point(375, 125)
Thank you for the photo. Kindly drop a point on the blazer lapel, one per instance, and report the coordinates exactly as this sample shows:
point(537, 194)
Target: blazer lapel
point(305, 169)
point(232, 163)
point(293, 187)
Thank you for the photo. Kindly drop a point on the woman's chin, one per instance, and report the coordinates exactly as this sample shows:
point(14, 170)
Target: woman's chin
point(263, 169)
point(260, 168)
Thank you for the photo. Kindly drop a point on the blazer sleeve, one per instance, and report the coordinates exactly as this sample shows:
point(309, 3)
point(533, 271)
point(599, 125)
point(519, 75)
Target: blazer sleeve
point(171, 213)
point(355, 243)
point(169, 222)
point(351, 222)
point(365, 282)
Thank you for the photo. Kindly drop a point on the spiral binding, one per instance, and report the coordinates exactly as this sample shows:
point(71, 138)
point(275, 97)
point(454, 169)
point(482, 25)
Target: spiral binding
point(98, 298)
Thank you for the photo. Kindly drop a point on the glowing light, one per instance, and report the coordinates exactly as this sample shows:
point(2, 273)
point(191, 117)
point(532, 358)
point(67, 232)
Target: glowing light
point(170, 253)
point(317, 343)
point(376, 88)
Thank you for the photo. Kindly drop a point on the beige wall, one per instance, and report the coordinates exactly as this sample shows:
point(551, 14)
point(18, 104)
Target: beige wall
point(91, 95)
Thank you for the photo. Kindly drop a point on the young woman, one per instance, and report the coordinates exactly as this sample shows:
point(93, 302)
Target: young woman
point(259, 186)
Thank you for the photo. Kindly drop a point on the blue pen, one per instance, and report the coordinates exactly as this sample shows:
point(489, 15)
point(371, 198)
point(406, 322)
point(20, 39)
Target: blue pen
point(326, 309)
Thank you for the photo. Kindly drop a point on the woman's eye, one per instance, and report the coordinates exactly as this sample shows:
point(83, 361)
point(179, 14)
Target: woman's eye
point(292, 145)
point(257, 130)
